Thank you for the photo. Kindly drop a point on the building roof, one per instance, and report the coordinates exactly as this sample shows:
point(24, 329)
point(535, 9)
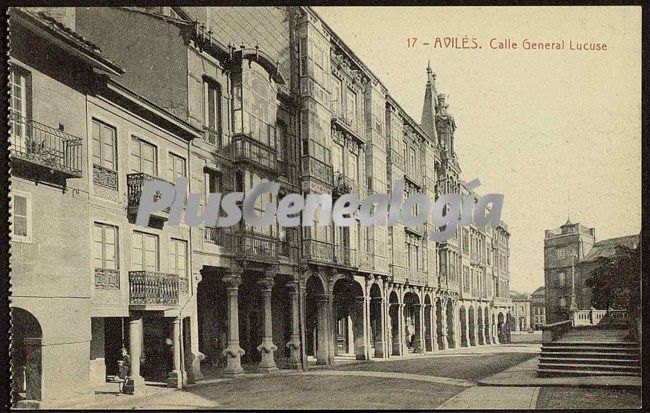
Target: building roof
point(540, 291)
point(66, 38)
point(514, 295)
point(608, 248)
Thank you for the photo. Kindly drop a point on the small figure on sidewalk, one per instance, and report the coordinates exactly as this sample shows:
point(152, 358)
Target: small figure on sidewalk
point(124, 369)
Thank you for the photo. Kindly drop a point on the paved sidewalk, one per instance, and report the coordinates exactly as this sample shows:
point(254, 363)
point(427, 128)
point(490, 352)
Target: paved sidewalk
point(525, 374)
point(403, 376)
point(500, 398)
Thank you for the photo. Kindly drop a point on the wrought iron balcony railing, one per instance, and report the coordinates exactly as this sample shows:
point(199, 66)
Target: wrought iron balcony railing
point(344, 255)
point(153, 288)
point(252, 245)
point(364, 260)
point(344, 185)
point(213, 136)
point(46, 147)
point(215, 235)
point(320, 251)
point(246, 149)
point(107, 279)
point(134, 183)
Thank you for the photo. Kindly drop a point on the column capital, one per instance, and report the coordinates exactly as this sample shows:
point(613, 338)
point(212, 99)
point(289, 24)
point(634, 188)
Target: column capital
point(266, 283)
point(232, 280)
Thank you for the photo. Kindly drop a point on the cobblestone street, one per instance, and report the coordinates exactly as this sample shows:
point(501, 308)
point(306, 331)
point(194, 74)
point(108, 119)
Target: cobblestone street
point(437, 381)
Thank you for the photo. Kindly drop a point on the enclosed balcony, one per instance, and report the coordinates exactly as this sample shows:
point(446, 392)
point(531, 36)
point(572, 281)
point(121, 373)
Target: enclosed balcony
point(317, 169)
point(344, 185)
point(152, 290)
point(246, 149)
point(345, 256)
point(318, 251)
point(135, 183)
point(252, 245)
point(40, 147)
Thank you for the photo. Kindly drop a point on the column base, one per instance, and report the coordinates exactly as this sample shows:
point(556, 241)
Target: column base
point(134, 385)
point(233, 355)
point(267, 364)
point(175, 379)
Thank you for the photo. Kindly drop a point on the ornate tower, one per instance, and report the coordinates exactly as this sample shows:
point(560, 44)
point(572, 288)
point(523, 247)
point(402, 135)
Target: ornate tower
point(428, 122)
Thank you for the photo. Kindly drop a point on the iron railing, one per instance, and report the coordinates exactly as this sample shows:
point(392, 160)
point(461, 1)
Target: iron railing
point(42, 145)
point(247, 149)
point(134, 183)
point(153, 288)
point(213, 136)
point(315, 250)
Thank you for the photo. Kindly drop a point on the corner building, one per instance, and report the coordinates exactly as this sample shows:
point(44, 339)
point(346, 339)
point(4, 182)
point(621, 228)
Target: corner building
point(229, 97)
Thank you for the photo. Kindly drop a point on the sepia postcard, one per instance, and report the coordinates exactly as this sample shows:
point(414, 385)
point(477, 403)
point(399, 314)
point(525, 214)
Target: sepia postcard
point(312, 207)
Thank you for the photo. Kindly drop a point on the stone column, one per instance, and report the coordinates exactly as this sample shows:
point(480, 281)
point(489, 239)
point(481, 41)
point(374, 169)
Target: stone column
point(233, 352)
point(359, 327)
point(175, 377)
point(434, 327)
point(402, 331)
point(322, 344)
point(481, 331)
point(466, 329)
point(444, 344)
point(135, 383)
point(377, 306)
point(418, 346)
point(266, 347)
point(295, 360)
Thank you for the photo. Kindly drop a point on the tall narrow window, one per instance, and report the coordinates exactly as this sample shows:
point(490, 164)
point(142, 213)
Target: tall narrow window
point(351, 108)
point(104, 145)
point(176, 167)
point(20, 106)
point(212, 111)
point(143, 157)
point(105, 246)
point(145, 252)
point(178, 257)
point(21, 218)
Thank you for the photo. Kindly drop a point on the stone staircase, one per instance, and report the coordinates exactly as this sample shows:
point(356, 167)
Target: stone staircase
point(581, 352)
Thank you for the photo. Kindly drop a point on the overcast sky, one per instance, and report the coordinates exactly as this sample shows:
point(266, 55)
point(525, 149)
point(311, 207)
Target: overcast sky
point(557, 132)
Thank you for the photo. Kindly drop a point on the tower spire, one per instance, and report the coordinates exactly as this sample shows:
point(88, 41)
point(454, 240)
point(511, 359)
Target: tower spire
point(428, 122)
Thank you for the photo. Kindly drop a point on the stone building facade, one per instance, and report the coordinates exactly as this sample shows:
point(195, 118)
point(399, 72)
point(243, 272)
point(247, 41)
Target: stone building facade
point(521, 311)
point(226, 97)
point(571, 254)
point(538, 308)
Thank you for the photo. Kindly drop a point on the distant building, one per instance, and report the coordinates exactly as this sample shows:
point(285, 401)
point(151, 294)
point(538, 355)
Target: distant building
point(570, 255)
point(538, 308)
point(521, 311)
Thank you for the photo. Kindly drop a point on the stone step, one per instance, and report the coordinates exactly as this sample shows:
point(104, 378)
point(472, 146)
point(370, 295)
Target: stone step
point(595, 354)
point(593, 343)
point(568, 360)
point(560, 372)
point(546, 347)
point(588, 367)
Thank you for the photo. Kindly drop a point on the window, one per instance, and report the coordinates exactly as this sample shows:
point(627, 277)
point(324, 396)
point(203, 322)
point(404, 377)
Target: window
point(560, 253)
point(145, 252)
point(104, 145)
point(178, 257)
point(336, 96)
point(351, 107)
point(21, 218)
point(20, 105)
point(212, 111)
point(105, 249)
point(143, 157)
point(176, 167)
point(562, 302)
point(561, 280)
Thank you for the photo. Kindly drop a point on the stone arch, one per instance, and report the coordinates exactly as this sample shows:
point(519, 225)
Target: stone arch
point(412, 321)
point(376, 319)
point(462, 312)
point(451, 338)
point(348, 309)
point(472, 325)
point(316, 318)
point(26, 355)
point(428, 322)
point(394, 323)
point(501, 326)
